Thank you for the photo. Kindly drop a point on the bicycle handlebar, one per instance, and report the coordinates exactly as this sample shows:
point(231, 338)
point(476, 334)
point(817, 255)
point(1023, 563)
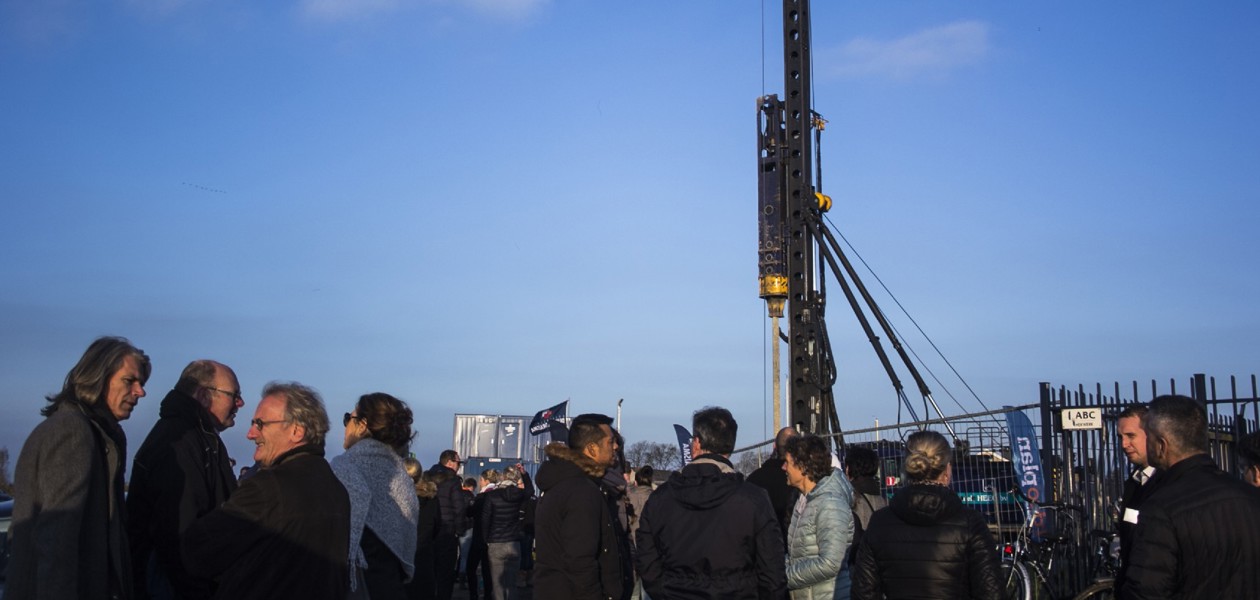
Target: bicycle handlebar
point(1019, 492)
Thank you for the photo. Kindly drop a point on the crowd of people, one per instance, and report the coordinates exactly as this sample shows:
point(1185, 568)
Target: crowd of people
point(373, 523)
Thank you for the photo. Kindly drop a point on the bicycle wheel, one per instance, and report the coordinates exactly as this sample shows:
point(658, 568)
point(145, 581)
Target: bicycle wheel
point(1015, 582)
point(1102, 590)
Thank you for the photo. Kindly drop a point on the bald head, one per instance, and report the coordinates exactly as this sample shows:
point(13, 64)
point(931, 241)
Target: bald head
point(215, 387)
point(781, 440)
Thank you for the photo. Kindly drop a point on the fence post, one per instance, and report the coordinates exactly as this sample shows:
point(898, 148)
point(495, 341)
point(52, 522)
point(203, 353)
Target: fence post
point(1047, 438)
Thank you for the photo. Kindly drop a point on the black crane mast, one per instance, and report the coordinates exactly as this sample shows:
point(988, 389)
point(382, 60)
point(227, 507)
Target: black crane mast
point(796, 249)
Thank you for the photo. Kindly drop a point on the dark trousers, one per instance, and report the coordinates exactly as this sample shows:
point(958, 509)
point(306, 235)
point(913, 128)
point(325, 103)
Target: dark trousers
point(446, 558)
point(477, 558)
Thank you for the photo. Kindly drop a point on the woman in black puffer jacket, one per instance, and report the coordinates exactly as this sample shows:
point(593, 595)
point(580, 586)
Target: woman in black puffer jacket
point(926, 544)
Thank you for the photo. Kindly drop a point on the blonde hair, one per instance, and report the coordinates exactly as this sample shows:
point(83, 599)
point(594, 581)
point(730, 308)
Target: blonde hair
point(927, 455)
point(490, 475)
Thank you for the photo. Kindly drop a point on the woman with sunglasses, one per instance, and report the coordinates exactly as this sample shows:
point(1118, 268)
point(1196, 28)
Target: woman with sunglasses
point(383, 505)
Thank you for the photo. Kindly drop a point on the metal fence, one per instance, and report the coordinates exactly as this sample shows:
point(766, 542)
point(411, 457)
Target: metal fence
point(1082, 467)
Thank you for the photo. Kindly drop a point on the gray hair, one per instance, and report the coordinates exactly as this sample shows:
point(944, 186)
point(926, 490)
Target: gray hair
point(88, 381)
point(302, 406)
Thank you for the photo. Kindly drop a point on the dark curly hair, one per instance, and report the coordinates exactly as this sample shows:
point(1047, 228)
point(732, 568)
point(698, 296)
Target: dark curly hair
point(388, 419)
point(862, 461)
point(810, 453)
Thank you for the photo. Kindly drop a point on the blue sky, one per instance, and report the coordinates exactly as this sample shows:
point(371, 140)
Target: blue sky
point(491, 206)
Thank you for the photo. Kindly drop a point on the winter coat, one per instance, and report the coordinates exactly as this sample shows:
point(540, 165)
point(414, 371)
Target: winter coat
point(68, 537)
point(581, 551)
point(771, 477)
point(1198, 536)
point(284, 533)
point(707, 533)
point(502, 514)
point(819, 538)
point(181, 472)
point(926, 545)
point(638, 499)
point(453, 503)
point(422, 584)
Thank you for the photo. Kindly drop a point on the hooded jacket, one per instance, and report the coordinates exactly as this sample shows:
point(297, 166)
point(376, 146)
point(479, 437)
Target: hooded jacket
point(181, 472)
point(819, 538)
point(926, 545)
point(707, 533)
point(581, 550)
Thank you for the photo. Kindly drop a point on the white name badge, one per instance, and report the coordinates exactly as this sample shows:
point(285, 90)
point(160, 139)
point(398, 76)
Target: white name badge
point(1130, 516)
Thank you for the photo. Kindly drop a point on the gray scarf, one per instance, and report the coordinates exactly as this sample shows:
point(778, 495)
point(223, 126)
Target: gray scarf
point(382, 498)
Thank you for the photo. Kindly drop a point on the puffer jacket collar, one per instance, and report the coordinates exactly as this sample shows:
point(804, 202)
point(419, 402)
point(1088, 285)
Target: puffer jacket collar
point(925, 504)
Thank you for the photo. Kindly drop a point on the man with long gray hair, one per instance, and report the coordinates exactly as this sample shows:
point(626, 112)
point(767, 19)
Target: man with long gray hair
point(285, 533)
point(68, 536)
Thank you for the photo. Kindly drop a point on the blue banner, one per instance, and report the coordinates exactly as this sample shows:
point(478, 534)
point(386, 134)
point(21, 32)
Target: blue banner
point(684, 443)
point(1024, 454)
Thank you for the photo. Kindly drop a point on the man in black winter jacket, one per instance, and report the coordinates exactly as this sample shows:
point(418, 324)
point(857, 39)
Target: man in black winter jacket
point(771, 477)
point(1197, 533)
point(285, 532)
point(453, 505)
point(707, 533)
point(582, 551)
point(181, 472)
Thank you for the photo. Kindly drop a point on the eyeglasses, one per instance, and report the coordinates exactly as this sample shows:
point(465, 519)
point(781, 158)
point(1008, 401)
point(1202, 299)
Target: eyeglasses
point(233, 395)
point(346, 418)
point(259, 423)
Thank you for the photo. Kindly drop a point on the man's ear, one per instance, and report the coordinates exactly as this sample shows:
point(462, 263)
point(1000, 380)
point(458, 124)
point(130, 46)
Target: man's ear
point(298, 433)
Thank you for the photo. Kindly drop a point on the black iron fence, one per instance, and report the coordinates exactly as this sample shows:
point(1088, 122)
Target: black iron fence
point(1084, 467)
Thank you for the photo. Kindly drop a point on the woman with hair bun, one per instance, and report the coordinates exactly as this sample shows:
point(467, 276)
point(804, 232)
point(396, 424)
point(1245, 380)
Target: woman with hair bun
point(384, 509)
point(926, 544)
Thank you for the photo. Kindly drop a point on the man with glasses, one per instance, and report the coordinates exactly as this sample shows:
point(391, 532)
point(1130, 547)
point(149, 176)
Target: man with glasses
point(285, 532)
point(453, 506)
point(181, 472)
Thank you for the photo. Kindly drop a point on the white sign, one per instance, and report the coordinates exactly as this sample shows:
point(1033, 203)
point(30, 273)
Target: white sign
point(1082, 418)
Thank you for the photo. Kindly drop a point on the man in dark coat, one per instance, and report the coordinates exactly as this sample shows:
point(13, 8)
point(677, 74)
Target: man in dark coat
point(1197, 534)
point(771, 477)
point(285, 533)
point(453, 506)
point(68, 538)
point(1137, 487)
point(707, 533)
point(181, 472)
point(581, 550)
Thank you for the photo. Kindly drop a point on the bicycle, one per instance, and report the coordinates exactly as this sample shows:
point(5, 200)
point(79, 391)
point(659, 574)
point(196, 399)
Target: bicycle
point(1027, 561)
point(1103, 585)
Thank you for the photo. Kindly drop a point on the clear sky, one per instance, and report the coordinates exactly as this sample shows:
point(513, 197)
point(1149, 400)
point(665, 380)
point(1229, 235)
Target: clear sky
point(494, 205)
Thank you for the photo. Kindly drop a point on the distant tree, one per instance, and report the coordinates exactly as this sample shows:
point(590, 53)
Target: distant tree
point(747, 462)
point(6, 485)
point(662, 456)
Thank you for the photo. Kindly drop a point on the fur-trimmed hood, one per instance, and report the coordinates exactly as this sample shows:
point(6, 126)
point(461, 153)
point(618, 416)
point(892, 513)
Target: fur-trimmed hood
point(564, 463)
point(426, 488)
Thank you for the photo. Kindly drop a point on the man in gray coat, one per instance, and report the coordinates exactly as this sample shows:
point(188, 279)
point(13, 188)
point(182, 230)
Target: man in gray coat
point(68, 536)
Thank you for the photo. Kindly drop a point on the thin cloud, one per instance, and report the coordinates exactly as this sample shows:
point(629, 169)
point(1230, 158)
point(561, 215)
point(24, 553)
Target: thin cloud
point(339, 10)
point(931, 53)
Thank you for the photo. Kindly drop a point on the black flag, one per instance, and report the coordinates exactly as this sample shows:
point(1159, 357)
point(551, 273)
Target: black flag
point(543, 420)
point(684, 443)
